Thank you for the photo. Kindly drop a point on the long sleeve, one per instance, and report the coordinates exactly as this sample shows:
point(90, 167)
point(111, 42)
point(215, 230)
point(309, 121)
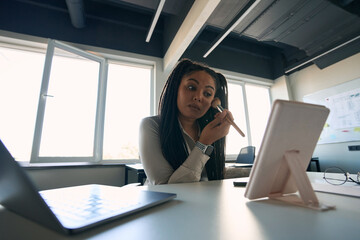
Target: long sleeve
point(157, 168)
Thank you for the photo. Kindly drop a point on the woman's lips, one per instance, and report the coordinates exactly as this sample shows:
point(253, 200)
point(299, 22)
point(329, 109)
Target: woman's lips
point(195, 107)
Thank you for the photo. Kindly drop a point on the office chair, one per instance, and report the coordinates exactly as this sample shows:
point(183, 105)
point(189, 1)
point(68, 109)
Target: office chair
point(246, 155)
point(317, 164)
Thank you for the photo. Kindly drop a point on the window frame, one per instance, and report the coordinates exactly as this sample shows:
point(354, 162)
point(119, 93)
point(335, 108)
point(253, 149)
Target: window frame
point(116, 59)
point(104, 60)
point(99, 122)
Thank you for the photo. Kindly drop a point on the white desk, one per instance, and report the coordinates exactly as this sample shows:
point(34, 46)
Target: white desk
point(239, 165)
point(212, 210)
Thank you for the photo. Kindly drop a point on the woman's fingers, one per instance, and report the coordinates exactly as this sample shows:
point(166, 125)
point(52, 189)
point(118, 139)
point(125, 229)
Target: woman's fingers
point(219, 118)
point(229, 114)
point(218, 128)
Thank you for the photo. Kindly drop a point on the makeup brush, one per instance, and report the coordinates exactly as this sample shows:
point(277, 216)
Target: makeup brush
point(216, 103)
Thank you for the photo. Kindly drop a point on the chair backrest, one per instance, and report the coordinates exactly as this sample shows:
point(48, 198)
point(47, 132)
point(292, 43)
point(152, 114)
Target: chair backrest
point(246, 155)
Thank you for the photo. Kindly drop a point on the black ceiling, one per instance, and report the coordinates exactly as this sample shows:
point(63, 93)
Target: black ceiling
point(275, 37)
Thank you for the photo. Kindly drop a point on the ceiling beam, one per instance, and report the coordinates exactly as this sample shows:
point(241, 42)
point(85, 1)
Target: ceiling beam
point(191, 26)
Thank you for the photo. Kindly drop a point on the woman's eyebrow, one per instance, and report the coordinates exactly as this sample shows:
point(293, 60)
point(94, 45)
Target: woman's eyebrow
point(193, 79)
point(207, 86)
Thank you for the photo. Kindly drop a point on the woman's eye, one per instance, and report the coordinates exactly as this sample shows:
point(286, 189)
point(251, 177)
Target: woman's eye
point(190, 87)
point(207, 94)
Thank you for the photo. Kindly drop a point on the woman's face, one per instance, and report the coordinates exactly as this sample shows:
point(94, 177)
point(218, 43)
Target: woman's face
point(195, 94)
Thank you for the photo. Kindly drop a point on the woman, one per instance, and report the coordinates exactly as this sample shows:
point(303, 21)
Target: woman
point(186, 141)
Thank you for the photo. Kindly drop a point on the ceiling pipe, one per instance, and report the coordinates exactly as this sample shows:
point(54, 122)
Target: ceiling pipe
point(320, 55)
point(232, 26)
point(77, 13)
point(155, 19)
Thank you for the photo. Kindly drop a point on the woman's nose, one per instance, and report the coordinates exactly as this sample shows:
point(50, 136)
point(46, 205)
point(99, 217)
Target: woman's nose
point(197, 97)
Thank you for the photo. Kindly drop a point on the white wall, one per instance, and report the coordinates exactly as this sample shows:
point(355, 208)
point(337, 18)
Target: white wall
point(313, 79)
point(280, 89)
point(57, 177)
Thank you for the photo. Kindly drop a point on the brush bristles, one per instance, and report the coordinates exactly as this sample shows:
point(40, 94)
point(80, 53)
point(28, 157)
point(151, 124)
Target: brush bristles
point(215, 103)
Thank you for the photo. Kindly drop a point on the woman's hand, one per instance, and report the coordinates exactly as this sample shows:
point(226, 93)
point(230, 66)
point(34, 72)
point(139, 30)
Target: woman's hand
point(216, 129)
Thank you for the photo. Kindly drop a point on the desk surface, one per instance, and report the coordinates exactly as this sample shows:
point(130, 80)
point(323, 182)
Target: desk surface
point(239, 165)
point(137, 166)
point(212, 210)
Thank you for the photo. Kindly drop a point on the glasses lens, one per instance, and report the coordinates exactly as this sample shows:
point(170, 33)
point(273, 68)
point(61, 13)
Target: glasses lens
point(335, 176)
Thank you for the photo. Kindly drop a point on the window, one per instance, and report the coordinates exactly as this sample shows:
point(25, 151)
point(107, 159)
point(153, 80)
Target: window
point(237, 107)
point(20, 80)
point(127, 102)
point(69, 117)
point(70, 109)
point(71, 105)
point(258, 105)
point(250, 106)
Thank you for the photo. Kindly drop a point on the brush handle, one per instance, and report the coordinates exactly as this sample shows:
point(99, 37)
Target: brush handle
point(221, 109)
point(235, 126)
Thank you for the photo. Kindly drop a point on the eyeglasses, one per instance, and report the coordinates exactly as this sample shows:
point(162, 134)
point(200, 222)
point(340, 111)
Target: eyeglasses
point(337, 176)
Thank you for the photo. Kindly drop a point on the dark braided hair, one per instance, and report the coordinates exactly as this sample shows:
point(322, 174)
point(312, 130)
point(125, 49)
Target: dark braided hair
point(173, 144)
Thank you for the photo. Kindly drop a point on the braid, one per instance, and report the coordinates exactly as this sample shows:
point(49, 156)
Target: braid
point(170, 133)
point(216, 164)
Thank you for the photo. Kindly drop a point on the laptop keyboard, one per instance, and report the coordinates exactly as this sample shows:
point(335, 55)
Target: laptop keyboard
point(87, 208)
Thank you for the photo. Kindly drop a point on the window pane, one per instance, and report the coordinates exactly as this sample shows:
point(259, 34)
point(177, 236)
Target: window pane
point(127, 102)
point(20, 81)
point(235, 141)
point(69, 121)
point(259, 109)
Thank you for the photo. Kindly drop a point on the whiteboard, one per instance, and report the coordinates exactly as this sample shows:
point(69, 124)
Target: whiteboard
point(343, 123)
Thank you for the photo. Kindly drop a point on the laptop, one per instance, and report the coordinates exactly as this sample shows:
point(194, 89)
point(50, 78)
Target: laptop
point(72, 209)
